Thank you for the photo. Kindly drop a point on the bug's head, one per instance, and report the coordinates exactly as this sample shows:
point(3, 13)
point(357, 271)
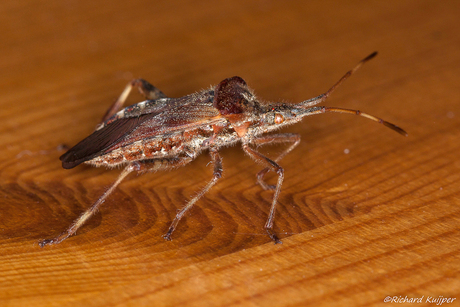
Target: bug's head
point(275, 116)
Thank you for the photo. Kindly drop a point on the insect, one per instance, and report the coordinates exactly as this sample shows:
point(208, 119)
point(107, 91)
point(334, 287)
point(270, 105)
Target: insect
point(162, 133)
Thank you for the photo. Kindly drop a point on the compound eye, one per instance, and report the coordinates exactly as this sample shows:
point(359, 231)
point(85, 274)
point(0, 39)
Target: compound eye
point(279, 118)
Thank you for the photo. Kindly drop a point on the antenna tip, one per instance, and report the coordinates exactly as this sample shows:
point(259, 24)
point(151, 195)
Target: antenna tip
point(395, 128)
point(370, 56)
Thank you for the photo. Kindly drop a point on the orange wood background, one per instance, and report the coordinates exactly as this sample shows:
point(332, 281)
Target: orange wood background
point(364, 212)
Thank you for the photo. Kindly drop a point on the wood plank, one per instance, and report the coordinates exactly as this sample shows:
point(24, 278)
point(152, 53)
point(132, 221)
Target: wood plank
point(364, 213)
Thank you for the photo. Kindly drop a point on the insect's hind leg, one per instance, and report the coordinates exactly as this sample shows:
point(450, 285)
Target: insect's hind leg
point(145, 88)
point(91, 211)
point(140, 167)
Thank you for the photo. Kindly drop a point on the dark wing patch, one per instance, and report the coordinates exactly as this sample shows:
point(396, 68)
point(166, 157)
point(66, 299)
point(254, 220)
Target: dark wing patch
point(89, 147)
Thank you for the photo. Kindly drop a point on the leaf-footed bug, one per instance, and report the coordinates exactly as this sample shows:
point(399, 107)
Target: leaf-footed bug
point(162, 133)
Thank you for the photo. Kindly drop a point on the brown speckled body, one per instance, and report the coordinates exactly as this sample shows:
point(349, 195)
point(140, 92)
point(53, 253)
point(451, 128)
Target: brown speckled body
point(190, 143)
point(164, 133)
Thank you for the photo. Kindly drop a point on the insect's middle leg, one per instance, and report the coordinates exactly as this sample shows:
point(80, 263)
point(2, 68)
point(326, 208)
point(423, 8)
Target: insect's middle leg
point(294, 139)
point(217, 162)
point(145, 88)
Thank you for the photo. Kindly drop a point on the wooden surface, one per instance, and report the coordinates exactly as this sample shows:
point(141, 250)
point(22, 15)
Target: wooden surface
point(364, 212)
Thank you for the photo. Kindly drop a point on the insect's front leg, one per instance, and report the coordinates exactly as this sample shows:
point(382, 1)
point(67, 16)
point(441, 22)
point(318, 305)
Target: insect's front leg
point(294, 139)
point(217, 162)
point(145, 88)
point(272, 165)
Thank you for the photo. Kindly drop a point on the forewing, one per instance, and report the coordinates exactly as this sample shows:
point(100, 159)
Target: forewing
point(92, 145)
point(179, 117)
point(151, 120)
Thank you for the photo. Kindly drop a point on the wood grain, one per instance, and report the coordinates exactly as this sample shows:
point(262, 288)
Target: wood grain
point(364, 212)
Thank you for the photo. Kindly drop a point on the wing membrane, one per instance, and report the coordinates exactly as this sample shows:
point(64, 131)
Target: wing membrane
point(171, 115)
